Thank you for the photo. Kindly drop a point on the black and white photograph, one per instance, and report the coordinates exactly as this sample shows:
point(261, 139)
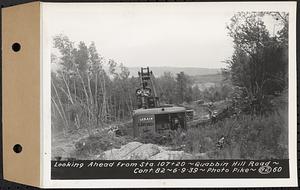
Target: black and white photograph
point(194, 85)
point(149, 94)
point(170, 82)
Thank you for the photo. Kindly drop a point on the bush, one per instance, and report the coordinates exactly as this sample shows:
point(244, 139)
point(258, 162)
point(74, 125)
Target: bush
point(94, 145)
point(246, 137)
point(155, 138)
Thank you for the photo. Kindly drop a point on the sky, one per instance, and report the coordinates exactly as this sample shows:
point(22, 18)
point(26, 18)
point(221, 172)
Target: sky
point(153, 34)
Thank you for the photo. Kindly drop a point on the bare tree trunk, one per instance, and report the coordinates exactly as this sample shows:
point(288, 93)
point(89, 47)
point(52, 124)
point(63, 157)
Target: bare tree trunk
point(104, 113)
point(95, 96)
point(92, 103)
point(90, 90)
point(61, 115)
point(69, 95)
point(62, 109)
point(68, 89)
point(131, 104)
point(87, 102)
point(75, 91)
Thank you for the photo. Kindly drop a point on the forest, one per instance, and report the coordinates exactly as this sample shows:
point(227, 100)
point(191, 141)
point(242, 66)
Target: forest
point(91, 93)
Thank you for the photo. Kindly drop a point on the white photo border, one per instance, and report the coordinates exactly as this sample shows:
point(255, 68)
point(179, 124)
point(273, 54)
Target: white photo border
point(46, 43)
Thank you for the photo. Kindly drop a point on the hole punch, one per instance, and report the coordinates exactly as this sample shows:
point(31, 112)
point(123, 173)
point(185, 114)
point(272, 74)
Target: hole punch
point(16, 47)
point(17, 148)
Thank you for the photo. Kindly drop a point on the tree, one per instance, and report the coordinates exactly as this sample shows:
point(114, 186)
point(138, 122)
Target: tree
point(196, 93)
point(183, 84)
point(81, 57)
point(166, 85)
point(259, 62)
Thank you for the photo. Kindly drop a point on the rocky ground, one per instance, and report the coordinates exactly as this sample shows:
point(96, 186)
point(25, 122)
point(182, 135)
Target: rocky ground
point(140, 151)
point(130, 151)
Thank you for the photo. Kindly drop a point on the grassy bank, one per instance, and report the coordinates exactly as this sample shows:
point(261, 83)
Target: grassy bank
point(245, 137)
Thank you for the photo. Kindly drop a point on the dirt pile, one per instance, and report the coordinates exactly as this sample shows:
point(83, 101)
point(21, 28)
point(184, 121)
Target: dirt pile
point(140, 151)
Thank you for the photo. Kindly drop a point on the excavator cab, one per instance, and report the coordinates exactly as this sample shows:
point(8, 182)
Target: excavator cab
point(158, 120)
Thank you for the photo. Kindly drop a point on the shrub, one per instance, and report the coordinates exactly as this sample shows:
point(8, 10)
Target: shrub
point(94, 145)
point(154, 138)
point(246, 137)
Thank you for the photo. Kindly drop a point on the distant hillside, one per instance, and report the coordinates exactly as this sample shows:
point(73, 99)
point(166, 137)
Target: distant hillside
point(192, 71)
point(210, 78)
point(206, 81)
